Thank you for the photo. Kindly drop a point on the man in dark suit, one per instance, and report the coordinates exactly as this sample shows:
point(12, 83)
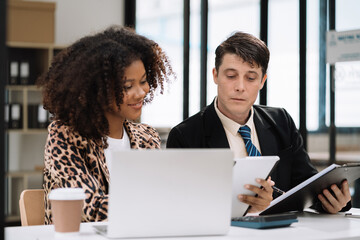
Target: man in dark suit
point(240, 72)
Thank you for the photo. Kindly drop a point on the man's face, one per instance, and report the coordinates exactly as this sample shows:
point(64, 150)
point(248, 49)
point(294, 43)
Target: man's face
point(238, 84)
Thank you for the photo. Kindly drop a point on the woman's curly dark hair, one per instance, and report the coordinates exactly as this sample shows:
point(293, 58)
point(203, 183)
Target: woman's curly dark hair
point(84, 79)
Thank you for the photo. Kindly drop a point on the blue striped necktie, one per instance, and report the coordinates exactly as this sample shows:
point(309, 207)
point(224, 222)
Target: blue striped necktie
point(250, 147)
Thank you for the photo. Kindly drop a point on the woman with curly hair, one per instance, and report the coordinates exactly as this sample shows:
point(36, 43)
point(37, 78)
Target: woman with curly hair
point(93, 89)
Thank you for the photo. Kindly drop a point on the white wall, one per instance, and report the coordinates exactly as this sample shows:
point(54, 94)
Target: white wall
point(77, 18)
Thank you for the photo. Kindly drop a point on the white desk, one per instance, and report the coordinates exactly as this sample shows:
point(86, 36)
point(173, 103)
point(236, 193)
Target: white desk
point(310, 226)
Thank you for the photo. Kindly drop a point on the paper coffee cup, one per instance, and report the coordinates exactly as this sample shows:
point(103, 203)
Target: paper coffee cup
point(66, 208)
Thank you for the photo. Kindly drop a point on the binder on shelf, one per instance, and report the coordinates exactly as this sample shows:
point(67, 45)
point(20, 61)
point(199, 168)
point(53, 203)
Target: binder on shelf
point(6, 115)
point(32, 116)
point(24, 72)
point(42, 117)
point(37, 116)
point(14, 73)
point(15, 116)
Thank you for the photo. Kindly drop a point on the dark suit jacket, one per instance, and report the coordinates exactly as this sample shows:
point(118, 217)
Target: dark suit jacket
point(276, 132)
point(277, 135)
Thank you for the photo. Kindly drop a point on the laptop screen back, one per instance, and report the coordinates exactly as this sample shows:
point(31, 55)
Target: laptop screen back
point(175, 192)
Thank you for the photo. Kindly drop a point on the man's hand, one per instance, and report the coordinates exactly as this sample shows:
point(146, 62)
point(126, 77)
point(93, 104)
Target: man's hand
point(263, 195)
point(334, 203)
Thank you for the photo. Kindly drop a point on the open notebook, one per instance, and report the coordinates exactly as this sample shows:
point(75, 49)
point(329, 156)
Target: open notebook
point(173, 192)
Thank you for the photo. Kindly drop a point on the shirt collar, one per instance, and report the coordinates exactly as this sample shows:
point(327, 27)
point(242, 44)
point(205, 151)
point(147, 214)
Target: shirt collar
point(232, 126)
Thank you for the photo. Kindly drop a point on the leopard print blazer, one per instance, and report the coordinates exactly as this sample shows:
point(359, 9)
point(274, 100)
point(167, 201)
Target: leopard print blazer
point(73, 161)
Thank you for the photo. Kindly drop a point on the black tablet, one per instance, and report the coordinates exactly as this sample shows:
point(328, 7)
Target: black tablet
point(305, 194)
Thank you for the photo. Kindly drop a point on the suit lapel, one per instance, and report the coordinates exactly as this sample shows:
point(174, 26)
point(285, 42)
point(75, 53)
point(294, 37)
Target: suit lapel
point(215, 136)
point(266, 138)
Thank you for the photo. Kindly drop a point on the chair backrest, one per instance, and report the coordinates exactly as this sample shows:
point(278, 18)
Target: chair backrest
point(32, 210)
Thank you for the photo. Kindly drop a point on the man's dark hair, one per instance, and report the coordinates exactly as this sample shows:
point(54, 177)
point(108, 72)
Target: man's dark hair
point(251, 49)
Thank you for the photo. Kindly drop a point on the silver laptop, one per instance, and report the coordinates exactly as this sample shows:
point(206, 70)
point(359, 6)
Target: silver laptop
point(173, 192)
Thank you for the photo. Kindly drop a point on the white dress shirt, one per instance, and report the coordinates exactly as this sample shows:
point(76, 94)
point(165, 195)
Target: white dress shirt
point(235, 140)
point(116, 145)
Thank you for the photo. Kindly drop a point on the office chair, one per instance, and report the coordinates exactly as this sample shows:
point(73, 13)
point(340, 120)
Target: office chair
point(32, 210)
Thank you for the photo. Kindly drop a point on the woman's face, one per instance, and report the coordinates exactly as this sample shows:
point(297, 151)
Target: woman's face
point(135, 89)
